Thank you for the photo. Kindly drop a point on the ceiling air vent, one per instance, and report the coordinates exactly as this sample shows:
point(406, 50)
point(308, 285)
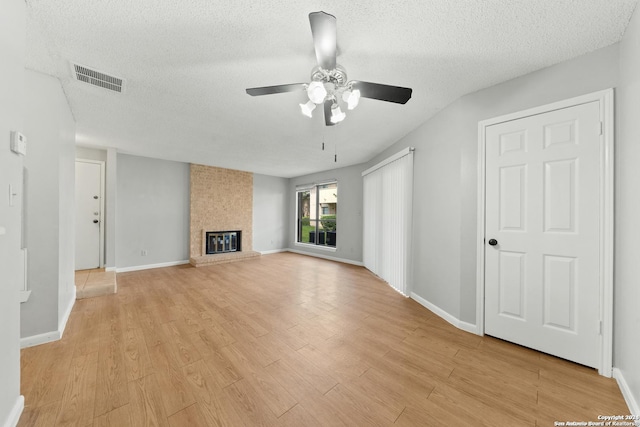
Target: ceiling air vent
point(97, 78)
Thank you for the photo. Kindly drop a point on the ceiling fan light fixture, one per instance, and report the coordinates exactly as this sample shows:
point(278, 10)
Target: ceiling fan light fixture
point(351, 97)
point(328, 80)
point(337, 115)
point(316, 92)
point(307, 108)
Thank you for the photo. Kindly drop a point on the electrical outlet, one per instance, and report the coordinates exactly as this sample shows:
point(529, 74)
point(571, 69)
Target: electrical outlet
point(143, 252)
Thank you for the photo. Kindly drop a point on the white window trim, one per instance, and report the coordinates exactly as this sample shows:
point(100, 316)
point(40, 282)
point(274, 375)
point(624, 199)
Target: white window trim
point(305, 187)
point(314, 246)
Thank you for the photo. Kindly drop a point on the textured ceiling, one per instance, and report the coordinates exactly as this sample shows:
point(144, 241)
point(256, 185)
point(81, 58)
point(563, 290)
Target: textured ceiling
point(187, 64)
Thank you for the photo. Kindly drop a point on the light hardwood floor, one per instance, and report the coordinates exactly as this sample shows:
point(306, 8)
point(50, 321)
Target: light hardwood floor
point(95, 282)
point(290, 340)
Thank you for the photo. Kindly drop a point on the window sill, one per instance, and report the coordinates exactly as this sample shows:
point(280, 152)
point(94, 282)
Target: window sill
point(312, 246)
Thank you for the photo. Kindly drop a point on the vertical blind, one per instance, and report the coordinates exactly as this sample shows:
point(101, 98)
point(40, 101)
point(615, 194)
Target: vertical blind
point(388, 197)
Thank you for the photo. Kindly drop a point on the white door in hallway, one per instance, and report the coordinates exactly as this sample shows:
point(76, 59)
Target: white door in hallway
point(88, 214)
point(542, 228)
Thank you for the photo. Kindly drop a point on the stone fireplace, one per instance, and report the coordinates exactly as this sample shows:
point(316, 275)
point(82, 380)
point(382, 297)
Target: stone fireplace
point(221, 225)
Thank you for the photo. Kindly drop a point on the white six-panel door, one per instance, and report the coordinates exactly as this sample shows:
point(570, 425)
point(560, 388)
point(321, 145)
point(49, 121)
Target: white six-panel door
point(542, 207)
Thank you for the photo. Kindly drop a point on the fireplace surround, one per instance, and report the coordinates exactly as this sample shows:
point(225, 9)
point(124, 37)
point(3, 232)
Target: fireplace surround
point(220, 199)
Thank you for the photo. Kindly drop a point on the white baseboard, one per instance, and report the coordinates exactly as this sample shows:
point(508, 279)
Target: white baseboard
point(632, 401)
point(469, 327)
point(150, 266)
point(62, 324)
point(273, 251)
point(330, 258)
point(109, 269)
point(34, 340)
point(465, 326)
point(16, 411)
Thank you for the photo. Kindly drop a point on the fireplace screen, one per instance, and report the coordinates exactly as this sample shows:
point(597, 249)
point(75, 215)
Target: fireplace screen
point(222, 241)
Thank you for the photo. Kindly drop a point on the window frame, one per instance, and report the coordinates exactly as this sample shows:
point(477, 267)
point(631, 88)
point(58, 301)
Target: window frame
point(298, 217)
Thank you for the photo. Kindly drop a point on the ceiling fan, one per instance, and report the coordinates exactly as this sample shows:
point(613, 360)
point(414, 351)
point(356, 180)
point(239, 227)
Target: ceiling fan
point(329, 81)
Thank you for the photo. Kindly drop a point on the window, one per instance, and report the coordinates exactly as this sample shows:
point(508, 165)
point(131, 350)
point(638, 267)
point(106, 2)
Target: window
point(316, 216)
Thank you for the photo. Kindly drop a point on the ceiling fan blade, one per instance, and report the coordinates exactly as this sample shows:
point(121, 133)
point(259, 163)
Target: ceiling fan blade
point(324, 31)
point(382, 92)
point(327, 112)
point(268, 90)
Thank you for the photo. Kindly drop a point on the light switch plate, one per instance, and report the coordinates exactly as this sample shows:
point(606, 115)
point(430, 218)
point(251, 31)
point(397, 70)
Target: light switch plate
point(12, 195)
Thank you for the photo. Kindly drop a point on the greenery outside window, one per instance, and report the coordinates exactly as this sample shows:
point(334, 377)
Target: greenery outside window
point(316, 214)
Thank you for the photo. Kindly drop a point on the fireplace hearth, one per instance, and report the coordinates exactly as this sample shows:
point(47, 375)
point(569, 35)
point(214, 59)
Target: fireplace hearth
point(220, 242)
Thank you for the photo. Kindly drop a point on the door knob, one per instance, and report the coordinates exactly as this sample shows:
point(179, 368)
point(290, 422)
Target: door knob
point(493, 242)
point(95, 221)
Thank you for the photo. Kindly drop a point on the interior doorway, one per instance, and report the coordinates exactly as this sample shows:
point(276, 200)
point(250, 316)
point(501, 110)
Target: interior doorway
point(90, 192)
point(546, 229)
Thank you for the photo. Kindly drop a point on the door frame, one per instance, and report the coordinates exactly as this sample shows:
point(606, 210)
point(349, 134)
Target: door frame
point(102, 204)
point(606, 104)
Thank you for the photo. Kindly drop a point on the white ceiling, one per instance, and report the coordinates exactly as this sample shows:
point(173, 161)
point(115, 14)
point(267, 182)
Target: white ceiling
point(187, 64)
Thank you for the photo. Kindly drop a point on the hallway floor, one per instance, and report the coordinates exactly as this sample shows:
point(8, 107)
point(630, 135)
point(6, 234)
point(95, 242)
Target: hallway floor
point(95, 283)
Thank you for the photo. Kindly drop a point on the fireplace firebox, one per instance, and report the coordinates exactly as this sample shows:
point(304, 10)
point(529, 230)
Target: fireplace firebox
point(218, 242)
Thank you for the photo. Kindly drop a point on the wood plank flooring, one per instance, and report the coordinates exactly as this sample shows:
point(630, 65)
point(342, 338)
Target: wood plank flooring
point(95, 282)
point(289, 340)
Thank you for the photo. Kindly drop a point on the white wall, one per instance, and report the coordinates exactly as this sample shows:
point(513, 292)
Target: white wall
point(626, 355)
point(348, 216)
point(12, 37)
point(152, 211)
point(270, 213)
point(88, 153)
point(67, 214)
point(111, 202)
point(445, 173)
point(50, 236)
